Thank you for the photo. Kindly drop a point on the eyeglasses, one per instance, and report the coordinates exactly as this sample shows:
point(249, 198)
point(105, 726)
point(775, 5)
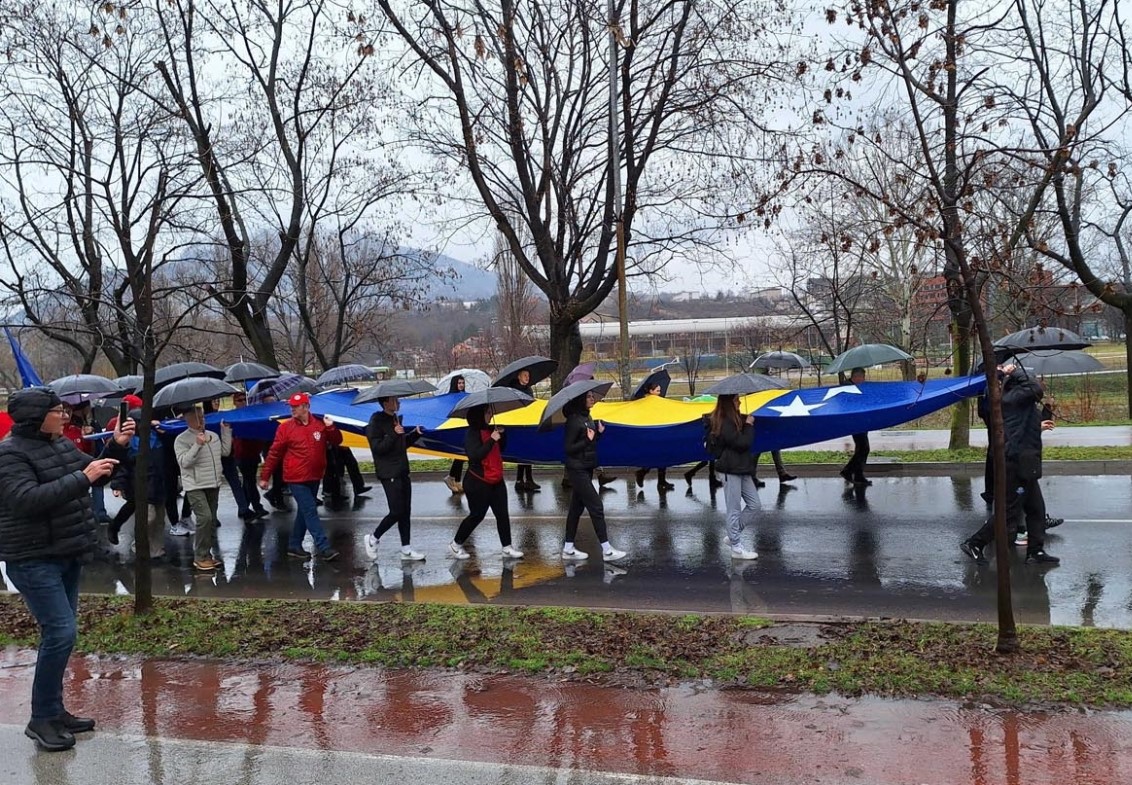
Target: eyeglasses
point(60, 410)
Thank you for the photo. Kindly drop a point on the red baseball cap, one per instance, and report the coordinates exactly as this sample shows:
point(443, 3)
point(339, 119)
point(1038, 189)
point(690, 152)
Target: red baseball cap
point(298, 399)
point(132, 401)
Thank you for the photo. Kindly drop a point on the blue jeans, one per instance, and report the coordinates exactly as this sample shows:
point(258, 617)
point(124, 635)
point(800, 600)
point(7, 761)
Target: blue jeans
point(306, 517)
point(50, 588)
point(235, 484)
point(98, 502)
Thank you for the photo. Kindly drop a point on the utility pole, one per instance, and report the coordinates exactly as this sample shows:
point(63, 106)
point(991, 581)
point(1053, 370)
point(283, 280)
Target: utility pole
point(618, 213)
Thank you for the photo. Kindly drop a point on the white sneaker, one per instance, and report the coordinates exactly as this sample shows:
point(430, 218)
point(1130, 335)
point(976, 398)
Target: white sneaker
point(457, 551)
point(189, 524)
point(574, 555)
point(412, 556)
point(511, 552)
point(743, 553)
point(178, 529)
point(613, 555)
point(371, 547)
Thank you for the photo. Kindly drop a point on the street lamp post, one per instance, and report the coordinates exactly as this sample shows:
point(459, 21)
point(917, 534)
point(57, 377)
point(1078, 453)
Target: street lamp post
point(618, 213)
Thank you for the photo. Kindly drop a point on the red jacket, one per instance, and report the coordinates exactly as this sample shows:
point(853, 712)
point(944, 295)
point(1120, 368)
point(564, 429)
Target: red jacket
point(301, 449)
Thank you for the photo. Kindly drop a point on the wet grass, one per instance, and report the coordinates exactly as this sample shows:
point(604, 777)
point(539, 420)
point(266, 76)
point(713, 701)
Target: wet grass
point(1084, 667)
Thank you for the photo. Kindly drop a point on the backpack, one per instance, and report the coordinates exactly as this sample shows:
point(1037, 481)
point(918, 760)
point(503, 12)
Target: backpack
point(712, 445)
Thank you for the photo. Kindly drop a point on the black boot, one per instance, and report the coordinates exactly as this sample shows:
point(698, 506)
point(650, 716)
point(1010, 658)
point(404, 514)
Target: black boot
point(76, 724)
point(50, 735)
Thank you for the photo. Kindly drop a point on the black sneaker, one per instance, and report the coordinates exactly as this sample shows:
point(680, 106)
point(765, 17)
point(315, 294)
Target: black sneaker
point(362, 490)
point(1053, 523)
point(112, 533)
point(974, 551)
point(329, 554)
point(76, 724)
point(1041, 557)
point(759, 483)
point(297, 553)
point(50, 735)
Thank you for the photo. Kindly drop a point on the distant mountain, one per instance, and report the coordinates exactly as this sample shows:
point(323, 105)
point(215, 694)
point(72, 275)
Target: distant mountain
point(468, 282)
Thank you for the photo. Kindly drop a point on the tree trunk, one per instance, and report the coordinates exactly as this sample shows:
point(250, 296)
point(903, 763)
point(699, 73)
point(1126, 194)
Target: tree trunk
point(960, 438)
point(565, 347)
point(1128, 352)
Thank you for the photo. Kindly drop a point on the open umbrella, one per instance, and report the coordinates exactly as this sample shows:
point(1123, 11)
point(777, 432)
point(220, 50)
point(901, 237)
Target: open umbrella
point(865, 355)
point(552, 414)
point(780, 361)
point(84, 384)
point(194, 389)
point(186, 370)
point(581, 373)
point(500, 399)
point(248, 371)
point(394, 388)
point(474, 380)
point(280, 387)
point(1042, 338)
point(343, 374)
point(745, 384)
point(659, 376)
point(129, 384)
point(1055, 363)
point(540, 368)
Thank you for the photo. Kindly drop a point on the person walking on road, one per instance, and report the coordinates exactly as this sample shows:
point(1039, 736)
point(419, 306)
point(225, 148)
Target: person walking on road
point(47, 533)
point(730, 437)
point(484, 484)
point(455, 477)
point(390, 443)
point(854, 471)
point(123, 481)
point(200, 454)
point(300, 447)
point(582, 434)
point(662, 483)
point(524, 474)
point(1022, 433)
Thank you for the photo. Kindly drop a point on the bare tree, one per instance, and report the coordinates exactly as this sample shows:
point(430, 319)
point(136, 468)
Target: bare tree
point(514, 94)
point(516, 306)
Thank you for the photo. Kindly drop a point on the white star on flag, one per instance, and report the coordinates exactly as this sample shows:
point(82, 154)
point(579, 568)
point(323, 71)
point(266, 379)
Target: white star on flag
point(796, 408)
point(849, 388)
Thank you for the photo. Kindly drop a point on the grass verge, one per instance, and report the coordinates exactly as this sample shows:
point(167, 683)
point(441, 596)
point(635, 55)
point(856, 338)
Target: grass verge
point(1080, 667)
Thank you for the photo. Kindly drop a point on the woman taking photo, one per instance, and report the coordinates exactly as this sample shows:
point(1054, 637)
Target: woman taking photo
point(730, 437)
point(484, 485)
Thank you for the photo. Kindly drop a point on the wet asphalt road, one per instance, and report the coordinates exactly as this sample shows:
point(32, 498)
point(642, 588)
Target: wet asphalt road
point(890, 550)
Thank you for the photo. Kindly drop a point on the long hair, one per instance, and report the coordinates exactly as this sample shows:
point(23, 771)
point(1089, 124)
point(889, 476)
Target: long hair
point(726, 408)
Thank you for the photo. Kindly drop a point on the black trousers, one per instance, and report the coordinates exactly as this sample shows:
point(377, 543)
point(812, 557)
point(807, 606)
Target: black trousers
point(524, 473)
point(1023, 500)
point(583, 495)
point(249, 477)
point(481, 497)
point(399, 496)
point(776, 455)
point(456, 471)
point(856, 466)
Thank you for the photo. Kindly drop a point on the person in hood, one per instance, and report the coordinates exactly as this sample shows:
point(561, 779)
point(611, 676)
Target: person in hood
point(581, 436)
point(455, 477)
point(47, 533)
point(390, 442)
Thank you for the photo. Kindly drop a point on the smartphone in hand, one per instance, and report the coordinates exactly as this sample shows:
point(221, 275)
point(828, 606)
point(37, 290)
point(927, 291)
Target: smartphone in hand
point(123, 413)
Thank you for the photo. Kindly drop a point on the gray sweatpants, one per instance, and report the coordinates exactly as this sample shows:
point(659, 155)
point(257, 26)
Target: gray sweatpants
point(742, 501)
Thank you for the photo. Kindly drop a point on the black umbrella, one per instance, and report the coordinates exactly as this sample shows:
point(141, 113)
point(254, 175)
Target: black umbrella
point(1054, 363)
point(539, 367)
point(248, 371)
point(500, 399)
point(195, 389)
point(865, 355)
point(280, 387)
point(343, 374)
point(186, 370)
point(84, 384)
point(659, 376)
point(129, 384)
point(552, 414)
point(394, 388)
point(745, 384)
point(1042, 338)
point(780, 361)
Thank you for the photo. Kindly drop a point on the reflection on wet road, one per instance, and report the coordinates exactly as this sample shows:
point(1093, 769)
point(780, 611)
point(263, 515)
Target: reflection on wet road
point(887, 550)
point(678, 732)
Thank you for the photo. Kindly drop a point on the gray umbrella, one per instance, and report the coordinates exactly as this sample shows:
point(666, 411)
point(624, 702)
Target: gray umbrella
point(248, 371)
point(1058, 362)
point(342, 374)
point(500, 399)
point(780, 361)
point(474, 380)
point(1042, 338)
point(84, 384)
point(539, 367)
point(130, 384)
point(394, 388)
point(194, 389)
point(552, 414)
point(280, 387)
point(865, 355)
point(745, 384)
point(186, 370)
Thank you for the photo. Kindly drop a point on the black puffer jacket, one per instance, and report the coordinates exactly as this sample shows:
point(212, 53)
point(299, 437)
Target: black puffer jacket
point(581, 453)
point(45, 510)
point(389, 449)
point(736, 456)
point(1022, 423)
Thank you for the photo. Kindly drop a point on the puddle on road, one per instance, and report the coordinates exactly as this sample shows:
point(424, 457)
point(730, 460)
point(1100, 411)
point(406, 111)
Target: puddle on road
point(685, 731)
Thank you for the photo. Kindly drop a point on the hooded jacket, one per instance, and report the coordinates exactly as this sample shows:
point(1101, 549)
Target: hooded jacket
point(581, 452)
point(735, 455)
point(45, 510)
point(389, 448)
point(1022, 423)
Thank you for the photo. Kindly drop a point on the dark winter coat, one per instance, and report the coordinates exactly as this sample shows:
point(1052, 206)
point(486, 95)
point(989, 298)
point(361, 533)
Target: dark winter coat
point(735, 455)
point(478, 444)
point(125, 475)
point(45, 510)
point(1022, 423)
point(581, 452)
point(390, 449)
